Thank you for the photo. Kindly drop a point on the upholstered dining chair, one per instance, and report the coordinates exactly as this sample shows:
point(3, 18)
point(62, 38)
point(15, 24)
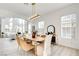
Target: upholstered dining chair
point(47, 46)
point(23, 44)
point(18, 43)
point(44, 49)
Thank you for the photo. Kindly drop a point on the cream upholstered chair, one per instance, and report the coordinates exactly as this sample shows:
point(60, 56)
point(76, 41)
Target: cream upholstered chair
point(47, 46)
point(44, 49)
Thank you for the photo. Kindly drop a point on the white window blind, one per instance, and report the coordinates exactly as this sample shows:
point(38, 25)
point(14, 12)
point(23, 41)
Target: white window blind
point(68, 25)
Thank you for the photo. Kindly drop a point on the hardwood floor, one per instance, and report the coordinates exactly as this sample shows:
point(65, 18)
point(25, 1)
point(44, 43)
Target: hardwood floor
point(58, 50)
point(9, 47)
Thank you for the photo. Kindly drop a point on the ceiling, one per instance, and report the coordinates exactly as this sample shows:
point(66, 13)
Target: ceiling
point(26, 10)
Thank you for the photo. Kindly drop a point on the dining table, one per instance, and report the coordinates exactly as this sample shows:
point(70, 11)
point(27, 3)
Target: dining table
point(35, 42)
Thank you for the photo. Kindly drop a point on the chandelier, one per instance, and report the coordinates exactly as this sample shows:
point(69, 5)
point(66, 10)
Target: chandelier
point(35, 15)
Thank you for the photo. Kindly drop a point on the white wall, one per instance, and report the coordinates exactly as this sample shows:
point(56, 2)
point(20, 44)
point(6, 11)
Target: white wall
point(53, 18)
point(7, 13)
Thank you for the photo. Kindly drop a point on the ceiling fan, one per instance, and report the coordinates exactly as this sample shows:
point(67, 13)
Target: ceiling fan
point(35, 15)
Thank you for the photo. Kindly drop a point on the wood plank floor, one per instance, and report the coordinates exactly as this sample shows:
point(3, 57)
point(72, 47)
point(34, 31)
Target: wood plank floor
point(58, 50)
point(10, 48)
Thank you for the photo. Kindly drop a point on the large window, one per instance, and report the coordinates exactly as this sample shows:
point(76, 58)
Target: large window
point(21, 25)
point(68, 26)
point(13, 25)
point(29, 28)
point(41, 25)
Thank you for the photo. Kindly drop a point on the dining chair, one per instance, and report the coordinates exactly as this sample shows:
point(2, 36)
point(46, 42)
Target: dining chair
point(18, 42)
point(44, 48)
point(47, 46)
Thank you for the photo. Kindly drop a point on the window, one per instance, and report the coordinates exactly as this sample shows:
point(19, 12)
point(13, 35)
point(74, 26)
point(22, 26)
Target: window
point(21, 25)
point(41, 25)
point(68, 24)
point(10, 24)
point(29, 28)
point(13, 25)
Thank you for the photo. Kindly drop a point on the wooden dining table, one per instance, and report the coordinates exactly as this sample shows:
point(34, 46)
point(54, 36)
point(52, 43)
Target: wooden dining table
point(37, 41)
point(37, 38)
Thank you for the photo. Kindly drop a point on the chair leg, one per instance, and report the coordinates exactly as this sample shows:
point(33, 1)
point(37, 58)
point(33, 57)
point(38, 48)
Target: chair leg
point(18, 50)
point(35, 50)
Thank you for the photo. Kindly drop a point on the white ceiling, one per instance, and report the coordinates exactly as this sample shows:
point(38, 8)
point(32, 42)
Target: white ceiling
point(26, 10)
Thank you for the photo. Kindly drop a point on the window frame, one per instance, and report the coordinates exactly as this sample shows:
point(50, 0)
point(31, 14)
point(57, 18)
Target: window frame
point(72, 21)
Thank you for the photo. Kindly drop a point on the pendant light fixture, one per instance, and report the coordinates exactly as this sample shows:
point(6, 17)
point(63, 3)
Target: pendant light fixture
point(35, 15)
